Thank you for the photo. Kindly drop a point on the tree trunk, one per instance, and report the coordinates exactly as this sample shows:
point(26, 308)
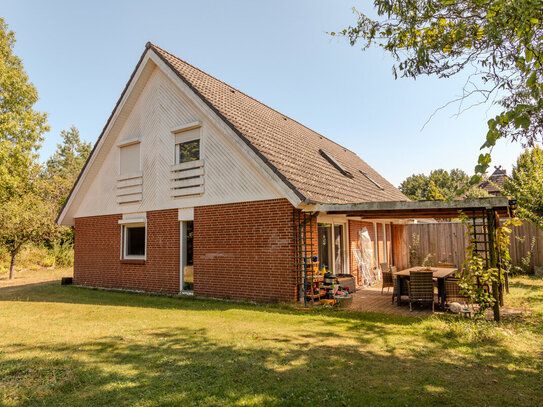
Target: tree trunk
point(12, 266)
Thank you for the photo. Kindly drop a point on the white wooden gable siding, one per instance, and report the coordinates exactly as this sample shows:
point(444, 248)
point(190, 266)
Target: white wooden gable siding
point(229, 175)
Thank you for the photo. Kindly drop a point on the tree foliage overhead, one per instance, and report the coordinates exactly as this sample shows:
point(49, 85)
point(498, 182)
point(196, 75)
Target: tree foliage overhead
point(440, 184)
point(498, 42)
point(526, 185)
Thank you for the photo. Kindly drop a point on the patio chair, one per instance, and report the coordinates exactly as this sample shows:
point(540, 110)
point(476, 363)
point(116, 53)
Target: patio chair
point(421, 288)
point(446, 265)
point(452, 291)
point(387, 280)
point(384, 267)
point(403, 288)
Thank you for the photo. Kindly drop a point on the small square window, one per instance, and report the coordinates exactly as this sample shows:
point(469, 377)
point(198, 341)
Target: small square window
point(134, 242)
point(188, 151)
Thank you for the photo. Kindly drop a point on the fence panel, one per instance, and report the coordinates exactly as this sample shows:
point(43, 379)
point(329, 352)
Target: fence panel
point(446, 241)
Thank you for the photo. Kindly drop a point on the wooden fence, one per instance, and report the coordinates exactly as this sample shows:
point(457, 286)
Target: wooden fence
point(446, 242)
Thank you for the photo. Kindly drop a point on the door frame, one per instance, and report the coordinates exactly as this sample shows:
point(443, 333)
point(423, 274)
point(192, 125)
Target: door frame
point(333, 221)
point(184, 215)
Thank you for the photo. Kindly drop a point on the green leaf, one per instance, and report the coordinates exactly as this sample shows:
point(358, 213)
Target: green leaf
point(522, 121)
point(531, 80)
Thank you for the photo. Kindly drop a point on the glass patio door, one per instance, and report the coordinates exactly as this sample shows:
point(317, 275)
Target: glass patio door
point(324, 232)
point(339, 250)
point(331, 246)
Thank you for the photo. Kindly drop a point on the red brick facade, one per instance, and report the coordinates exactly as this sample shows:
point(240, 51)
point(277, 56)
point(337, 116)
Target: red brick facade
point(241, 251)
point(98, 250)
point(245, 251)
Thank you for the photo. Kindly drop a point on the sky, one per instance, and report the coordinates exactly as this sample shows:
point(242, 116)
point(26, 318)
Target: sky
point(80, 54)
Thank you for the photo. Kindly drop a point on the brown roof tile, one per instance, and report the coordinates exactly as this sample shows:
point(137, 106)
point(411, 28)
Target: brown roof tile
point(288, 147)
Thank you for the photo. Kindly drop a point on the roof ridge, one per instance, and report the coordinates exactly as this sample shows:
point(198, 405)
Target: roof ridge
point(151, 45)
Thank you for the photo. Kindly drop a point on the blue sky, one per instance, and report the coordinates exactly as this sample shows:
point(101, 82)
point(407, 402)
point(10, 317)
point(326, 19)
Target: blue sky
point(80, 54)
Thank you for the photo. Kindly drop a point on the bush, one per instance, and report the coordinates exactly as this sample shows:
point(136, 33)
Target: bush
point(63, 254)
point(34, 257)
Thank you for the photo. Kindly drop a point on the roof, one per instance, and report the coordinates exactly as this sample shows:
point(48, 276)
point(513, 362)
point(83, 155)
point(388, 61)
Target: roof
point(494, 183)
point(473, 207)
point(293, 151)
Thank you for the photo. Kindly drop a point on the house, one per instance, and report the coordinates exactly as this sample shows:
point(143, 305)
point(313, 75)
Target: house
point(494, 183)
point(195, 187)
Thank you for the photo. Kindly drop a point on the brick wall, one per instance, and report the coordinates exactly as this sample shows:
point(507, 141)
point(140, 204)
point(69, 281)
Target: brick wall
point(241, 251)
point(98, 248)
point(245, 251)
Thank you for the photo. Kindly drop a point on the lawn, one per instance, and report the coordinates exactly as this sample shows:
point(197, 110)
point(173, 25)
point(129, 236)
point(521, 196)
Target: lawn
point(69, 346)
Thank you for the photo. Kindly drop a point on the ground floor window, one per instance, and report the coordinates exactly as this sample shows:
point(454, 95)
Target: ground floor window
point(134, 241)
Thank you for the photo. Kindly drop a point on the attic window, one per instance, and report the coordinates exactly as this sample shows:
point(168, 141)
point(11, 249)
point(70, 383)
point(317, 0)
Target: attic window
point(335, 163)
point(372, 180)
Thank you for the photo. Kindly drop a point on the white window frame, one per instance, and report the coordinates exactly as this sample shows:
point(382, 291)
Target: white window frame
point(335, 221)
point(124, 255)
point(183, 134)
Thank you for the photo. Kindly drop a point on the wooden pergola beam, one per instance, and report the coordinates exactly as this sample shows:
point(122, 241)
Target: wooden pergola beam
point(474, 207)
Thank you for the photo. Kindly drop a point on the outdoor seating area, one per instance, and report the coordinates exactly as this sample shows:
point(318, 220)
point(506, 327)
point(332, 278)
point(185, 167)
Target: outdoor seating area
point(414, 291)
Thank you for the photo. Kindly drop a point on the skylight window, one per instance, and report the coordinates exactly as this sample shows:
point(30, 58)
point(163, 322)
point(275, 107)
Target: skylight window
point(372, 180)
point(336, 164)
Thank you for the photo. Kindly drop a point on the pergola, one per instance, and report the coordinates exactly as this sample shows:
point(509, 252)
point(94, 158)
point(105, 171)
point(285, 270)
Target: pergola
point(484, 213)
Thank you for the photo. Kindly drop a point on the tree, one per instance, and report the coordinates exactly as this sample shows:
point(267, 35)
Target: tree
point(24, 214)
point(21, 127)
point(415, 187)
point(434, 194)
point(477, 193)
point(499, 42)
point(25, 219)
point(440, 184)
point(526, 185)
point(64, 166)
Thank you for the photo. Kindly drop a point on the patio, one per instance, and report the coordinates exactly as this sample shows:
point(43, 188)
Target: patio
point(370, 299)
point(484, 218)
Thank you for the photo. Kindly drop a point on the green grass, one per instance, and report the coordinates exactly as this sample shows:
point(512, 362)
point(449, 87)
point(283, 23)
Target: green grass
point(69, 346)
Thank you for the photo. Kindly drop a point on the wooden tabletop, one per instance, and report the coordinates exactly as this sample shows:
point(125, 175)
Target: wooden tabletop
point(439, 272)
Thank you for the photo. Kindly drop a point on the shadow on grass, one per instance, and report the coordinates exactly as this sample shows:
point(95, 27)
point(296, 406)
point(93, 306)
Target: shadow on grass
point(184, 367)
point(363, 362)
point(53, 292)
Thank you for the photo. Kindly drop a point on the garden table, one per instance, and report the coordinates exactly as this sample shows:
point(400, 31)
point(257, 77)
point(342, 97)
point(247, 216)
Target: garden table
point(439, 273)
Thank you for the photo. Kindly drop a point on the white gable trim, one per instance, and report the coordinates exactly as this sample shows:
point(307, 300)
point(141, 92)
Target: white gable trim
point(148, 61)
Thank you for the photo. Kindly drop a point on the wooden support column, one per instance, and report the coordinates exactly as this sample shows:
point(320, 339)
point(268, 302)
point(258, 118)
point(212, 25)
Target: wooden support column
point(493, 260)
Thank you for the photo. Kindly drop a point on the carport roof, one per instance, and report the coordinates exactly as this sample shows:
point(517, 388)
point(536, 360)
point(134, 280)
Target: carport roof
point(474, 207)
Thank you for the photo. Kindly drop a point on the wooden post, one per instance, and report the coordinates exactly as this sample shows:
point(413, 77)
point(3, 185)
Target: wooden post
point(493, 260)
